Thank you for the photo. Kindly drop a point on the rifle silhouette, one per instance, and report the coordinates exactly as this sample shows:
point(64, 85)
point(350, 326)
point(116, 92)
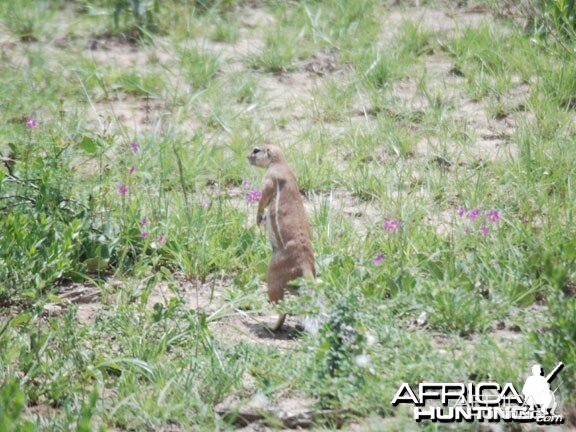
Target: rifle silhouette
point(554, 372)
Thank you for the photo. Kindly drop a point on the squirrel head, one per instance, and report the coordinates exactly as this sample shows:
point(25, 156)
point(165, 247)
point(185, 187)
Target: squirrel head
point(266, 155)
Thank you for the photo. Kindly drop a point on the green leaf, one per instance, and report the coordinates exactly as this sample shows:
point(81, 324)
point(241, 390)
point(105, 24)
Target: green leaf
point(89, 144)
point(127, 362)
point(95, 264)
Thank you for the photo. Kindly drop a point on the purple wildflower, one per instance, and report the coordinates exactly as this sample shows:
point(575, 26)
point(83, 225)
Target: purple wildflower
point(253, 196)
point(132, 169)
point(379, 258)
point(484, 230)
point(493, 216)
point(123, 190)
point(31, 123)
point(205, 203)
point(143, 234)
point(134, 146)
point(461, 211)
point(161, 239)
point(474, 214)
point(144, 221)
point(392, 225)
point(245, 183)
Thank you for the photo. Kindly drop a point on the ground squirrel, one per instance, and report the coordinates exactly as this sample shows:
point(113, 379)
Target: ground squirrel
point(286, 225)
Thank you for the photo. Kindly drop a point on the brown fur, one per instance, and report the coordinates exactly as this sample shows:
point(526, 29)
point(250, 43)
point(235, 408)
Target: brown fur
point(286, 224)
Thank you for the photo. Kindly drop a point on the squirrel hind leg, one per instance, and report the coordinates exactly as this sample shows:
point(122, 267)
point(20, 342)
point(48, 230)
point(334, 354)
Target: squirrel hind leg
point(279, 323)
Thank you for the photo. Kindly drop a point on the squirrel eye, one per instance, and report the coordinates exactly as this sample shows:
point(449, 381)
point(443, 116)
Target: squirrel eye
point(256, 150)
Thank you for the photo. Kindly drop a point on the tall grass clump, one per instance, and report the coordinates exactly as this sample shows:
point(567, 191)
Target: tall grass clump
point(26, 19)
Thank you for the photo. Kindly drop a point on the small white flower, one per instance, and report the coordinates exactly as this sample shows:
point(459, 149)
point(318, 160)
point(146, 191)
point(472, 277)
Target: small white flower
point(363, 360)
point(370, 339)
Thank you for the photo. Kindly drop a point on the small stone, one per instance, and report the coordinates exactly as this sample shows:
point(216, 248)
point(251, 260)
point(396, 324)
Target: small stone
point(422, 319)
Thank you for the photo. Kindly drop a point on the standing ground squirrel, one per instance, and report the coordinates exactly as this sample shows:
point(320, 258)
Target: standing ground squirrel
point(286, 224)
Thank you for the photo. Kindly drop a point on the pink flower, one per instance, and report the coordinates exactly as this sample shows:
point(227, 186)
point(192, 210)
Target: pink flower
point(379, 258)
point(493, 216)
point(484, 230)
point(123, 190)
point(144, 221)
point(245, 183)
point(474, 214)
point(205, 203)
point(143, 234)
point(161, 239)
point(134, 146)
point(31, 123)
point(132, 169)
point(392, 225)
point(253, 196)
point(461, 211)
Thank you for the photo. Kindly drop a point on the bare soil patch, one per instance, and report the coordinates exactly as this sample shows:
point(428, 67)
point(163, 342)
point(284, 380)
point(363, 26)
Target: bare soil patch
point(229, 323)
point(446, 20)
point(258, 413)
point(201, 296)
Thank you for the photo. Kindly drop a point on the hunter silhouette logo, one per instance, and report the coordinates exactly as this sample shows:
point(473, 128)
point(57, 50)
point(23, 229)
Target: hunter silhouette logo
point(457, 402)
point(537, 391)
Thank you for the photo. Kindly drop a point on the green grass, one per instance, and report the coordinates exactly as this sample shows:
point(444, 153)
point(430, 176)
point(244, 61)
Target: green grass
point(404, 148)
point(199, 68)
point(27, 20)
point(134, 83)
point(278, 54)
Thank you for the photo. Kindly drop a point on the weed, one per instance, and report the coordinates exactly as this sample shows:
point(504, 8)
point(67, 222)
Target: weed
point(141, 85)
point(458, 310)
point(26, 19)
point(340, 346)
point(199, 67)
point(277, 56)
point(225, 31)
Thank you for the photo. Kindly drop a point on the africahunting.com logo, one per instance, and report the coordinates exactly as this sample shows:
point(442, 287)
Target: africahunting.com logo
point(484, 401)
